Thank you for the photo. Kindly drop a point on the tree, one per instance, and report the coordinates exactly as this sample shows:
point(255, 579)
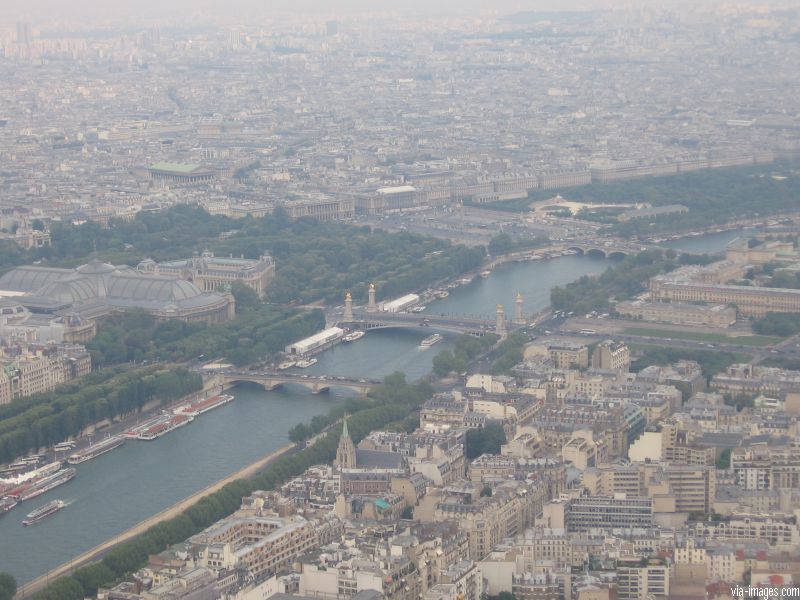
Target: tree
point(486, 492)
point(500, 244)
point(300, 433)
point(444, 363)
point(724, 460)
point(244, 295)
point(485, 441)
point(408, 513)
point(8, 586)
point(503, 596)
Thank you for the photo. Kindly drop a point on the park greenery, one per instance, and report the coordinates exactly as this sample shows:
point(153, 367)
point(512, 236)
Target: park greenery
point(740, 400)
point(466, 348)
point(486, 440)
point(776, 323)
point(620, 282)
point(45, 419)
point(509, 353)
point(389, 403)
point(258, 332)
point(700, 336)
point(713, 197)
point(781, 362)
point(315, 261)
point(710, 361)
point(503, 243)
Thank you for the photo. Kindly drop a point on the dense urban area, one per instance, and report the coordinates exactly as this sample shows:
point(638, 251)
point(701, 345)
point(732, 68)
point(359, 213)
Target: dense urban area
point(499, 306)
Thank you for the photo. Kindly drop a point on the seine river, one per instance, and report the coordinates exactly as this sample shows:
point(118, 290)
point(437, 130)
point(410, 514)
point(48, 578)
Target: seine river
point(115, 491)
point(709, 242)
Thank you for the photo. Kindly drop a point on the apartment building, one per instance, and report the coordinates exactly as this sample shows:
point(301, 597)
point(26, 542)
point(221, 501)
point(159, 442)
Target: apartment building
point(35, 369)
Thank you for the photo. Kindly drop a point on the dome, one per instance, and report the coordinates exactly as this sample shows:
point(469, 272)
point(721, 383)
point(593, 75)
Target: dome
point(95, 267)
point(152, 288)
point(69, 290)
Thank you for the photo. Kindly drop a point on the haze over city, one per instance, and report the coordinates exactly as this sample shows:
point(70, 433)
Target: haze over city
point(456, 300)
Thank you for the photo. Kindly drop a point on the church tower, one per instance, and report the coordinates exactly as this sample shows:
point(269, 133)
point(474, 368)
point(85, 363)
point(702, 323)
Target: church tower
point(346, 452)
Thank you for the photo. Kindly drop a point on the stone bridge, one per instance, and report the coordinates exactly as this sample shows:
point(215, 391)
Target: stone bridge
point(316, 383)
point(606, 249)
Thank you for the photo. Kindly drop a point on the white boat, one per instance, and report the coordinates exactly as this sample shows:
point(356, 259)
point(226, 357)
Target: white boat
point(431, 340)
point(286, 365)
point(305, 363)
point(353, 336)
point(418, 309)
point(95, 450)
point(485, 274)
point(44, 511)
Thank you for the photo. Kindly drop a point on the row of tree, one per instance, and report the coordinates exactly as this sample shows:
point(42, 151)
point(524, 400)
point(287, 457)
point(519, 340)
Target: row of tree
point(256, 333)
point(45, 419)
point(391, 402)
point(466, 348)
point(776, 323)
point(510, 353)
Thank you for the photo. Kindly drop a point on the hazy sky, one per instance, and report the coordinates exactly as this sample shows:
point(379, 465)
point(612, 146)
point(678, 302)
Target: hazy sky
point(107, 11)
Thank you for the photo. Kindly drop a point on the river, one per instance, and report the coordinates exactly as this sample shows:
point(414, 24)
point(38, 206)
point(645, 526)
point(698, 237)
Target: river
point(118, 490)
point(709, 242)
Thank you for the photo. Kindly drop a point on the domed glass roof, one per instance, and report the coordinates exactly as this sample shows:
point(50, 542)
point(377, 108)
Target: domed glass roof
point(95, 267)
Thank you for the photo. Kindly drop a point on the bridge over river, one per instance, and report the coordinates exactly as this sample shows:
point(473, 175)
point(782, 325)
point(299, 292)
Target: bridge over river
point(316, 383)
point(366, 320)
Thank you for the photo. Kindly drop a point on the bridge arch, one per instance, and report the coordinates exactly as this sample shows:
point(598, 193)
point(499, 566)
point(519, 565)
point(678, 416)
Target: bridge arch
point(315, 385)
point(596, 252)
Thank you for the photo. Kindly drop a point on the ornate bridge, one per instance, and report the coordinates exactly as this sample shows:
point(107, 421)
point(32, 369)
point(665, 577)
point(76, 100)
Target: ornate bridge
point(373, 316)
point(366, 320)
point(316, 383)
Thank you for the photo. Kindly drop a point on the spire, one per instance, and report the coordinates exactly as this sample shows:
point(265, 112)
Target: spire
point(346, 451)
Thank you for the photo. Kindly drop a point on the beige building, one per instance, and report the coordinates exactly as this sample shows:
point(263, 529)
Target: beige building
point(611, 356)
point(39, 369)
point(767, 467)
point(259, 539)
point(641, 578)
point(321, 209)
point(487, 520)
point(462, 581)
point(581, 450)
point(211, 273)
point(674, 488)
point(566, 355)
point(678, 313)
point(751, 301)
point(340, 576)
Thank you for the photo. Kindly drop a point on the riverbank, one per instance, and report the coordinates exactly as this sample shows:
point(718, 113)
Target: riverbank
point(30, 588)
